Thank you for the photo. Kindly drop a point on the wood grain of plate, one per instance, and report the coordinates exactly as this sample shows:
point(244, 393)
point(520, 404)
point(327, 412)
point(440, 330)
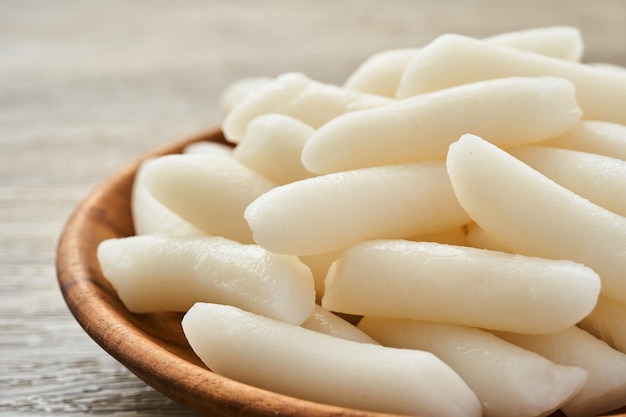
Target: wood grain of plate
point(153, 346)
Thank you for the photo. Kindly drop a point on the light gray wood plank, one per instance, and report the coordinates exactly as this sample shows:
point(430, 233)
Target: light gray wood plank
point(88, 86)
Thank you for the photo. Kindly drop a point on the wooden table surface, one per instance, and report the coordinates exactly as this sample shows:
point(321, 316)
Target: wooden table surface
point(88, 86)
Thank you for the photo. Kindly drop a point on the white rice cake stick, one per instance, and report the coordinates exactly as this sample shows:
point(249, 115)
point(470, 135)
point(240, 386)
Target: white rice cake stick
point(563, 42)
point(324, 321)
point(535, 216)
point(602, 138)
point(150, 217)
point(609, 66)
point(605, 389)
point(520, 383)
point(272, 146)
point(320, 263)
point(306, 364)
point(599, 179)
point(239, 90)
point(206, 146)
point(207, 190)
point(331, 212)
point(510, 111)
point(607, 322)
point(295, 95)
point(381, 73)
point(157, 273)
point(454, 59)
point(460, 285)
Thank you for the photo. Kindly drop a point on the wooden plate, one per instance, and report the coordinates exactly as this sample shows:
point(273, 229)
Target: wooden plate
point(153, 346)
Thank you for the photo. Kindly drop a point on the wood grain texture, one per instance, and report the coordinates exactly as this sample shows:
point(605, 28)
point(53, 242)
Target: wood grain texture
point(86, 87)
